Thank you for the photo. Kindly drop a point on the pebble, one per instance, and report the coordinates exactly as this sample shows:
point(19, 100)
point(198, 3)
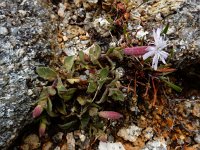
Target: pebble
point(22, 12)
point(157, 144)
point(92, 1)
point(58, 137)
point(148, 133)
point(3, 31)
point(32, 141)
point(130, 134)
point(197, 138)
point(61, 10)
point(110, 146)
point(47, 146)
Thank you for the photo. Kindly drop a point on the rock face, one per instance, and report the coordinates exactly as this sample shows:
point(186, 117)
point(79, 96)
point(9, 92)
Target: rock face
point(24, 30)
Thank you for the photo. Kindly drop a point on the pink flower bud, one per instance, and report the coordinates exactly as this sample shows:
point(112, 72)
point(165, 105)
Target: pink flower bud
point(37, 111)
point(110, 115)
point(42, 129)
point(135, 51)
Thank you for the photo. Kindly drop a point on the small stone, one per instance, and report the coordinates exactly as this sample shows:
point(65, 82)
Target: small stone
point(32, 141)
point(157, 144)
point(130, 134)
point(78, 3)
point(22, 12)
point(92, 1)
point(2, 16)
point(65, 38)
point(64, 147)
point(84, 37)
point(148, 133)
point(110, 146)
point(24, 147)
point(47, 146)
point(197, 138)
point(57, 148)
point(30, 92)
point(3, 31)
point(59, 40)
point(70, 141)
point(61, 10)
point(58, 137)
point(82, 137)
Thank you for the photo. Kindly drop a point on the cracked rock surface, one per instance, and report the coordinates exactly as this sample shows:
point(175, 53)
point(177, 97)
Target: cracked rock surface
point(23, 42)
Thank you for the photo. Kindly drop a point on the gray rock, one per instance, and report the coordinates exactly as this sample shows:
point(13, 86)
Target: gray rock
point(3, 31)
point(24, 32)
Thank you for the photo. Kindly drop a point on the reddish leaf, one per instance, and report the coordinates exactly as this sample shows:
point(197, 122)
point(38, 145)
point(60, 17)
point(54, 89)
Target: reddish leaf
point(164, 70)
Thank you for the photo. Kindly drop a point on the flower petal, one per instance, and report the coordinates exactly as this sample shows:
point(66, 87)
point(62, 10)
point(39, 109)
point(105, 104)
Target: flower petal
point(151, 52)
point(163, 60)
point(155, 62)
point(164, 54)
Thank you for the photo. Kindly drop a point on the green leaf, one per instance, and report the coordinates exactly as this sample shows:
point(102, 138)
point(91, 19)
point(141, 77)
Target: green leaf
point(101, 83)
point(65, 94)
point(81, 100)
point(61, 107)
point(46, 73)
point(165, 29)
point(85, 120)
point(92, 87)
point(116, 94)
point(68, 125)
point(103, 97)
point(49, 109)
point(51, 91)
point(60, 86)
point(104, 73)
point(68, 62)
point(115, 52)
point(173, 86)
point(49, 105)
point(93, 111)
point(81, 57)
point(94, 53)
point(44, 95)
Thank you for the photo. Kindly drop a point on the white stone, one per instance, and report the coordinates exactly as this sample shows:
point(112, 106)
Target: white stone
point(157, 144)
point(197, 138)
point(82, 137)
point(130, 134)
point(110, 146)
point(141, 34)
point(92, 1)
point(101, 22)
point(61, 10)
point(22, 12)
point(3, 31)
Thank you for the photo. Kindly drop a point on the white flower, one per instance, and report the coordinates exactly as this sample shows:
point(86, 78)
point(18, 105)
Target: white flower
point(157, 50)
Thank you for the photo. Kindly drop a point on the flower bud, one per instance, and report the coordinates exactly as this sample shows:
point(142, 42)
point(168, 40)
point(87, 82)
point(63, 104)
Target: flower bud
point(42, 128)
point(37, 111)
point(110, 115)
point(135, 51)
